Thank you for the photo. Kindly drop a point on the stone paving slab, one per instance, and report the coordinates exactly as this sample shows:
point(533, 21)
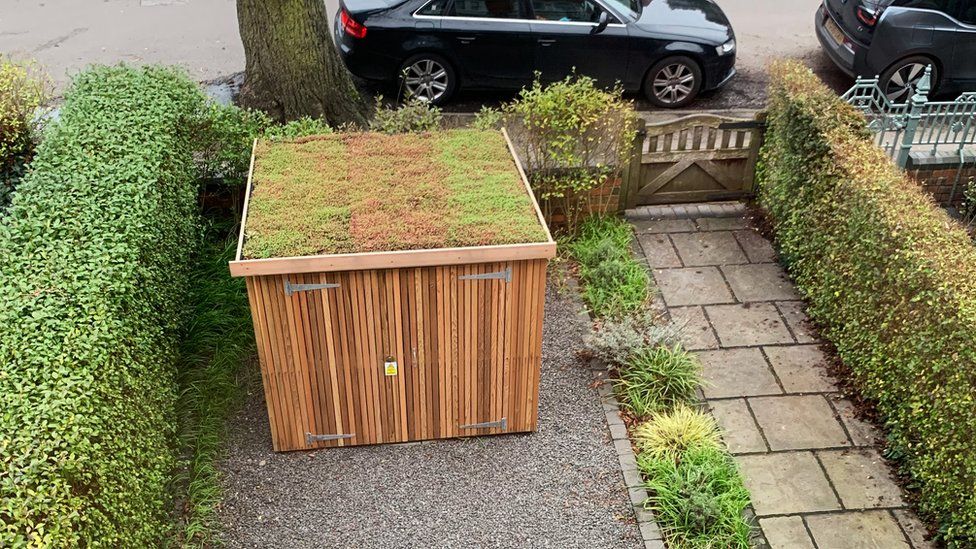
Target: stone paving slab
point(737, 372)
point(659, 251)
point(913, 528)
point(786, 533)
point(862, 433)
point(664, 226)
point(857, 530)
point(739, 429)
point(692, 286)
point(796, 319)
point(798, 422)
point(801, 368)
point(759, 282)
point(715, 248)
point(757, 248)
point(748, 325)
point(787, 483)
point(861, 478)
point(696, 332)
point(721, 223)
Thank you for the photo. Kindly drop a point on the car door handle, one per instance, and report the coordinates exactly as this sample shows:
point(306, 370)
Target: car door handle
point(547, 41)
point(466, 39)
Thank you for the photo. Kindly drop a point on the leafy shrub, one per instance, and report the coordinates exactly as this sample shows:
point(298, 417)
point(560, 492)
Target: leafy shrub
point(655, 379)
point(487, 118)
point(616, 339)
point(613, 282)
point(890, 277)
point(669, 434)
point(698, 499)
point(23, 90)
point(413, 116)
point(93, 274)
point(572, 137)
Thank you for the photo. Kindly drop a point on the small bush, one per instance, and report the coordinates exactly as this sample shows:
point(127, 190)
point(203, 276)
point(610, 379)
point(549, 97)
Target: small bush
point(488, 118)
point(94, 253)
point(573, 137)
point(613, 282)
point(413, 116)
point(616, 339)
point(23, 91)
point(655, 379)
point(698, 499)
point(669, 434)
point(889, 276)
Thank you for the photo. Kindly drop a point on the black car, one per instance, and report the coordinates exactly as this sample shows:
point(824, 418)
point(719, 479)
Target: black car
point(896, 39)
point(670, 49)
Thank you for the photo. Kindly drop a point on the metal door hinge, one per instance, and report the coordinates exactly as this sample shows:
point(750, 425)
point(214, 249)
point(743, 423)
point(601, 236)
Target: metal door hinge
point(505, 275)
point(500, 424)
point(310, 438)
point(292, 288)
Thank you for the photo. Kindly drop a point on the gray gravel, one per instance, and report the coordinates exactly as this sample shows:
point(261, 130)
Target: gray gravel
point(558, 487)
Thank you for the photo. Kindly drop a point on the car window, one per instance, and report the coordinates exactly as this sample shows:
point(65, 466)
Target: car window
point(435, 7)
point(967, 12)
point(580, 11)
point(498, 9)
point(945, 6)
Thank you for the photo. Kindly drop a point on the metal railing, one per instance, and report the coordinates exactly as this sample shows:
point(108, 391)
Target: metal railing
point(920, 124)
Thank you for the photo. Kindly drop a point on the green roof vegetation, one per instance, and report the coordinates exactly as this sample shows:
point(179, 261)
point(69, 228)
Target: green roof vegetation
point(371, 192)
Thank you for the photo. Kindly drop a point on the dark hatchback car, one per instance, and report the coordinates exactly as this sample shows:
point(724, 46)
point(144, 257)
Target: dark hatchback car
point(896, 39)
point(670, 49)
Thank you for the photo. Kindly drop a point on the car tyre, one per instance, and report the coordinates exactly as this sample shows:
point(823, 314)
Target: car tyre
point(428, 77)
point(898, 81)
point(673, 82)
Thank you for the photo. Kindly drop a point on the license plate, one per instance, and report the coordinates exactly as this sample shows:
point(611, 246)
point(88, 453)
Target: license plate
point(834, 31)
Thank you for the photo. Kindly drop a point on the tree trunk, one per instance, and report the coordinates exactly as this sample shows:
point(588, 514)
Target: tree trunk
point(293, 68)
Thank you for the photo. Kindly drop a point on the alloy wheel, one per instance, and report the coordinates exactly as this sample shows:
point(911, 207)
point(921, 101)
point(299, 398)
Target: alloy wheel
point(426, 80)
point(673, 83)
point(903, 82)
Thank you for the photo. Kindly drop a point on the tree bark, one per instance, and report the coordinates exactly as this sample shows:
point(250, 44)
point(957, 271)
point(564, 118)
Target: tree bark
point(292, 66)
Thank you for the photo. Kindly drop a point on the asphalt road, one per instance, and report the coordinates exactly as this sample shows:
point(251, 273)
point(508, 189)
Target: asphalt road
point(202, 35)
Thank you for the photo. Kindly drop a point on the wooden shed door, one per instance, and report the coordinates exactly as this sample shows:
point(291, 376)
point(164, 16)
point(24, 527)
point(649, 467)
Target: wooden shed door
point(481, 304)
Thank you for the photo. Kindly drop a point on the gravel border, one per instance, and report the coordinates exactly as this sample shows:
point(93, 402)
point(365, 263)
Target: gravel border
point(559, 487)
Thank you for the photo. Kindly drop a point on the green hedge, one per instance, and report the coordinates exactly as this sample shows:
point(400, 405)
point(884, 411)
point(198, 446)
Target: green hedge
point(93, 271)
point(890, 277)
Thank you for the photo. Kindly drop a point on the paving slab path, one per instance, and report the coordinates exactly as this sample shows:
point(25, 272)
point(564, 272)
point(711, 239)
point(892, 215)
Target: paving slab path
point(813, 469)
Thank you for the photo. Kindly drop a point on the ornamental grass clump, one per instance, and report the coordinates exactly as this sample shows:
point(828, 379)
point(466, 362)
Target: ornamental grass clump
point(668, 434)
point(655, 379)
point(94, 253)
point(890, 278)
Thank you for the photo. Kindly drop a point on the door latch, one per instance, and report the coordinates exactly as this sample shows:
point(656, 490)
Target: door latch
point(292, 288)
point(500, 424)
point(505, 275)
point(311, 439)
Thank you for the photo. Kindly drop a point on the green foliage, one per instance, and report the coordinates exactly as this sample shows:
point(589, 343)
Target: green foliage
point(219, 341)
point(413, 116)
point(488, 118)
point(613, 282)
point(572, 137)
point(616, 339)
point(698, 499)
point(655, 379)
point(667, 435)
point(93, 273)
point(890, 277)
point(23, 91)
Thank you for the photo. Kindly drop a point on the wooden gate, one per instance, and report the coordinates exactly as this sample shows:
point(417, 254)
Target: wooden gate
point(695, 158)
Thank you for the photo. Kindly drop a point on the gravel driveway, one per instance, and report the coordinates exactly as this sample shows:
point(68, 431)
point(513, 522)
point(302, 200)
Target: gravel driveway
point(559, 487)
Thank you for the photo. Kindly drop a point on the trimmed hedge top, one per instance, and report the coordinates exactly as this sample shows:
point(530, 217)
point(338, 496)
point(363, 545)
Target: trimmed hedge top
point(890, 277)
point(369, 192)
point(93, 271)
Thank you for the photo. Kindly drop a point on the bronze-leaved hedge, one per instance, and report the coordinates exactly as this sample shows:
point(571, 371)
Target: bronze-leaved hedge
point(890, 277)
point(93, 272)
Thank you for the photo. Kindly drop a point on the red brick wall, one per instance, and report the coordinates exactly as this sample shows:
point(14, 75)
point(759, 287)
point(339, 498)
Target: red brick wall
point(938, 180)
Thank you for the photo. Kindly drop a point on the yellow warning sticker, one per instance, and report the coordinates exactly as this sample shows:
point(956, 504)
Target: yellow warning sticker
point(390, 365)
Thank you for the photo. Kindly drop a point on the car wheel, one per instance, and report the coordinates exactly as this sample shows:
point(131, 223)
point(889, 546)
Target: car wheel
point(898, 81)
point(428, 77)
point(673, 82)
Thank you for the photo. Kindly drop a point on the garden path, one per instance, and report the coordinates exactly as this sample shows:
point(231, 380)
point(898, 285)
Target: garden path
point(559, 487)
point(813, 469)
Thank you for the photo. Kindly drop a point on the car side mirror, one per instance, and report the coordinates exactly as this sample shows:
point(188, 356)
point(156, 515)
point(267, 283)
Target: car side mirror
point(601, 23)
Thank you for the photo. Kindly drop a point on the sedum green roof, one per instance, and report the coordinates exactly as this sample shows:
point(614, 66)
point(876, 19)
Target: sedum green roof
point(371, 192)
